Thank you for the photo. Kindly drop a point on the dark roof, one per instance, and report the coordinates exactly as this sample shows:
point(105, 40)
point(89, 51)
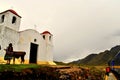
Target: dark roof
point(12, 11)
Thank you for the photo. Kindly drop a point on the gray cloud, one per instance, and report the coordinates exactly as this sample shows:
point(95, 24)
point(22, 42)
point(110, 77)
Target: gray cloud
point(80, 27)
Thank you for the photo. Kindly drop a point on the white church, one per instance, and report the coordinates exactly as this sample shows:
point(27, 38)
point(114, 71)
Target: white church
point(38, 46)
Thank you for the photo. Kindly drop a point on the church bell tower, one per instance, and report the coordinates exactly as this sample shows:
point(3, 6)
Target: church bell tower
point(10, 19)
point(9, 29)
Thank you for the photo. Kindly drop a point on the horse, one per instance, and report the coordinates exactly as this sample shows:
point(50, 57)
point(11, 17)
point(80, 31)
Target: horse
point(17, 54)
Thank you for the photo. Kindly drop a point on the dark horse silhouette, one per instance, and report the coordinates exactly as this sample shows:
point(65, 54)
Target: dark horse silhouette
point(17, 54)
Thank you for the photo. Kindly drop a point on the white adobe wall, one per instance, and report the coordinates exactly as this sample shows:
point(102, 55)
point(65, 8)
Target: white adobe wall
point(7, 36)
point(11, 36)
point(28, 36)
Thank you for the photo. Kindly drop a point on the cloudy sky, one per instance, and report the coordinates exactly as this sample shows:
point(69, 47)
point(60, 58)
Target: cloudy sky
point(79, 27)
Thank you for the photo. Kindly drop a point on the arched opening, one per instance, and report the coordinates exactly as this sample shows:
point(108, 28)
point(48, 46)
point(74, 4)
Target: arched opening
point(13, 20)
point(35, 40)
point(43, 36)
point(50, 38)
point(2, 18)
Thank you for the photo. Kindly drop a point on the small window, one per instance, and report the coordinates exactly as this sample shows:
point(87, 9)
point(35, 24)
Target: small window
point(2, 18)
point(0, 47)
point(50, 38)
point(13, 20)
point(43, 36)
point(35, 40)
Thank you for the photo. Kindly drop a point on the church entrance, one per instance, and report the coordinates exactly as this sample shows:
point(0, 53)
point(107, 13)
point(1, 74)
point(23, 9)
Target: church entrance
point(33, 53)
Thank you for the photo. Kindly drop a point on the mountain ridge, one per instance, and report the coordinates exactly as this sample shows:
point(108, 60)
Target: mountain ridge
point(101, 58)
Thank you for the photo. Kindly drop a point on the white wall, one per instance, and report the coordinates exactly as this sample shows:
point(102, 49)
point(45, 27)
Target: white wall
point(49, 47)
point(8, 36)
point(28, 36)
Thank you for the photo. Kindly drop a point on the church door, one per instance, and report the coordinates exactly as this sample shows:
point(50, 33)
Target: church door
point(33, 53)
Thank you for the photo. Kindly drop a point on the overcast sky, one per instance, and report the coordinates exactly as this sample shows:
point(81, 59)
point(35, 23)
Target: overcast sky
point(79, 27)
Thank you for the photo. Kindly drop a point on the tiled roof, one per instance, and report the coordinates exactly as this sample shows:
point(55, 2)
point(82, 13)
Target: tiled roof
point(46, 32)
point(12, 11)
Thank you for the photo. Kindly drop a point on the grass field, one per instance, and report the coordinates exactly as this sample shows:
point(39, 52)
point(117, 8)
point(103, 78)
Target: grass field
point(17, 67)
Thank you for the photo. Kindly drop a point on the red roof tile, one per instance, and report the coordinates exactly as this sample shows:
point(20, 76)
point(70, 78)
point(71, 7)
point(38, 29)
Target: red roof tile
point(46, 32)
point(12, 11)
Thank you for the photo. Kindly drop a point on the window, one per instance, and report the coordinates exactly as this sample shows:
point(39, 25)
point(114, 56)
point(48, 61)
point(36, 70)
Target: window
point(43, 36)
point(13, 20)
point(0, 47)
point(50, 38)
point(35, 40)
point(2, 18)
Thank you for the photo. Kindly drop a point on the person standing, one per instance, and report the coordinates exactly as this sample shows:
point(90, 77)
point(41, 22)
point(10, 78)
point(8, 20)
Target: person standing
point(9, 53)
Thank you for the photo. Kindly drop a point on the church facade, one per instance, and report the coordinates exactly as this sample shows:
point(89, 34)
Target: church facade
point(38, 46)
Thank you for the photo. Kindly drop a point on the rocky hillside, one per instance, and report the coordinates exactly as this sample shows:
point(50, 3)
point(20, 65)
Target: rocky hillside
point(98, 59)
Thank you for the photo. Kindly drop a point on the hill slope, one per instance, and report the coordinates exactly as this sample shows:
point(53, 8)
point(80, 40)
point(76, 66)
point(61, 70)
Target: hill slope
point(98, 59)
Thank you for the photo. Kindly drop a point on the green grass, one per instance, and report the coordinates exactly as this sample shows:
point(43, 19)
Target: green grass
point(17, 67)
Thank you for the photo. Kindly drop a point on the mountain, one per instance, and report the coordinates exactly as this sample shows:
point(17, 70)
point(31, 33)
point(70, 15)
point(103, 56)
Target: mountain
point(101, 58)
point(60, 63)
